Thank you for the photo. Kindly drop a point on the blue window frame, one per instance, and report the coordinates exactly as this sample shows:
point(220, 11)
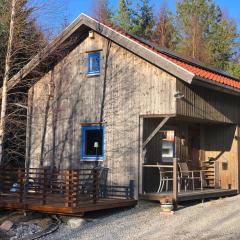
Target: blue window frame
point(94, 63)
point(93, 143)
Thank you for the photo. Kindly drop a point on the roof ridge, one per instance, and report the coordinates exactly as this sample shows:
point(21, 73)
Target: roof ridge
point(173, 54)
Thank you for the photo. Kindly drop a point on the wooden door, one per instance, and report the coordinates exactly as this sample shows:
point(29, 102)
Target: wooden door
point(194, 148)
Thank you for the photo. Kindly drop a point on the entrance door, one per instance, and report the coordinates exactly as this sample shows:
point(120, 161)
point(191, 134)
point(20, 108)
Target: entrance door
point(194, 147)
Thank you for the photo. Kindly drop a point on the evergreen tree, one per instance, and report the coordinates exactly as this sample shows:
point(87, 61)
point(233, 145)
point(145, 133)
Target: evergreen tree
point(220, 42)
point(233, 68)
point(143, 20)
point(165, 34)
point(204, 33)
point(124, 15)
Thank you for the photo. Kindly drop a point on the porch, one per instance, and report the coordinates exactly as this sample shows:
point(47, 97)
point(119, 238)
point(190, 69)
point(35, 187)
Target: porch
point(186, 159)
point(65, 192)
point(190, 195)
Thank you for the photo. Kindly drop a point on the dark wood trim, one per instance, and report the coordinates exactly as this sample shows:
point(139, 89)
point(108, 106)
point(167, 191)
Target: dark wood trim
point(191, 195)
point(203, 82)
point(175, 181)
point(156, 115)
point(238, 159)
point(155, 131)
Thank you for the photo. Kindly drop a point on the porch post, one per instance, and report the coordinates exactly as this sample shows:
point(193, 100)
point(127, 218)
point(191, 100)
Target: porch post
point(238, 159)
point(175, 181)
point(139, 173)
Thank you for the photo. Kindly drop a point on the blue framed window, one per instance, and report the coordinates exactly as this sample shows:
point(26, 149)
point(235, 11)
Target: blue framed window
point(94, 63)
point(93, 143)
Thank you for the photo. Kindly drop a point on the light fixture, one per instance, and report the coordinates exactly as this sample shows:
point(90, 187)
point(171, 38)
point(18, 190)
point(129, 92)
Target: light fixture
point(91, 34)
point(179, 95)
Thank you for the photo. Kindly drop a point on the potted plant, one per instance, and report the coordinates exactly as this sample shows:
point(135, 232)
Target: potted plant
point(167, 205)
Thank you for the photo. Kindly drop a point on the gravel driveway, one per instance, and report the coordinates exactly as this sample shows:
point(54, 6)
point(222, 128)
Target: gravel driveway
point(218, 219)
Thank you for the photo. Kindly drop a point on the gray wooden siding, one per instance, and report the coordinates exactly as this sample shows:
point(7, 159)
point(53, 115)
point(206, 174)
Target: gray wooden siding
point(221, 143)
point(66, 97)
point(206, 104)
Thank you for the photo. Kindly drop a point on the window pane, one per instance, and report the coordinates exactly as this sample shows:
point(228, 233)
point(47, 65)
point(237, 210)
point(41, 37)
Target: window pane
point(93, 142)
point(94, 62)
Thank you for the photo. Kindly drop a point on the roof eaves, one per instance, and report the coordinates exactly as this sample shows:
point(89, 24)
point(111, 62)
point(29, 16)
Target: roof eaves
point(197, 80)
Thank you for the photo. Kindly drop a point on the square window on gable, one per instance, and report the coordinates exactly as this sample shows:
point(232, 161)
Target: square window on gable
point(94, 63)
point(93, 143)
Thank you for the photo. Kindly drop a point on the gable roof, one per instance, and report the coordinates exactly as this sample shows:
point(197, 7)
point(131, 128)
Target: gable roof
point(186, 70)
point(196, 68)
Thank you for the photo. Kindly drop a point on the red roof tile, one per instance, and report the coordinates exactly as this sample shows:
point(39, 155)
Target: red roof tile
point(197, 70)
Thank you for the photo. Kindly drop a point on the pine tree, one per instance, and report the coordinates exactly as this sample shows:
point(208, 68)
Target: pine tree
point(165, 34)
point(220, 41)
point(192, 21)
point(124, 15)
point(205, 34)
point(233, 68)
point(143, 20)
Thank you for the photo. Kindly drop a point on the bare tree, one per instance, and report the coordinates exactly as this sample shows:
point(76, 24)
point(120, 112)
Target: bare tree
point(26, 39)
point(101, 11)
point(165, 33)
point(6, 78)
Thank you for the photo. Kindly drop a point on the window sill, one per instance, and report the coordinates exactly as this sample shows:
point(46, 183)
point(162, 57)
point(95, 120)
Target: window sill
point(92, 159)
point(89, 75)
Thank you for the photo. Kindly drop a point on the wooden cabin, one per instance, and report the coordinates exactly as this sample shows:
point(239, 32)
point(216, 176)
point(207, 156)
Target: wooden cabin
point(109, 99)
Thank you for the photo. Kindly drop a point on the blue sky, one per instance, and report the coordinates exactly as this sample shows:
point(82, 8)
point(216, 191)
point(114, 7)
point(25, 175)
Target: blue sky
point(70, 9)
point(75, 7)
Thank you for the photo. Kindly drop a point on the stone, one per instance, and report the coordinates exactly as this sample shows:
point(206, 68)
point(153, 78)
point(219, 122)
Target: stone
point(6, 226)
point(75, 222)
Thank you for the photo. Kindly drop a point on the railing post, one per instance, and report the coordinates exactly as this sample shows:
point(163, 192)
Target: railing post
point(131, 186)
point(20, 185)
point(175, 181)
point(95, 185)
point(44, 177)
point(75, 188)
point(1, 181)
point(67, 196)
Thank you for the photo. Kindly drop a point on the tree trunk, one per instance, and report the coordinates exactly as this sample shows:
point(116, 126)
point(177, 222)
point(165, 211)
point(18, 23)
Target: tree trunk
point(5, 80)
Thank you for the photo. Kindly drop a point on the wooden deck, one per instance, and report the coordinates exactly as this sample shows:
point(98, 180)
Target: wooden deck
point(191, 195)
point(56, 205)
point(66, 192)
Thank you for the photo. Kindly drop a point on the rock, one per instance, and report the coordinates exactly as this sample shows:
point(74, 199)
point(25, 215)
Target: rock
point(75, 222)
point(6, 226)
point(24, 231)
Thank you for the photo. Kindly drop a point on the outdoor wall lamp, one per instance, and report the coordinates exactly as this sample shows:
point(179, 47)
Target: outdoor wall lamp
point(179, 95)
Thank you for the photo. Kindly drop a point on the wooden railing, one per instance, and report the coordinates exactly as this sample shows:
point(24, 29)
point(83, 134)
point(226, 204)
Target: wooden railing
point(179, 180)
point(120, 191)
point(68, 187)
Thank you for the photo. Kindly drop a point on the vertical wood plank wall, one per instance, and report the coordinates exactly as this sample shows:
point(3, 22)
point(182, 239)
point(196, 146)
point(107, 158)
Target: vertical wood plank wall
point(66, 97)
point(219, 140)
point(206, 104)
point(221, 143)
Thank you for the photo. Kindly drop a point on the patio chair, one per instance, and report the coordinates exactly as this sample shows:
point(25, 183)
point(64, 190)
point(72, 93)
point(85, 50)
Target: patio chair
point(164, 179)
point(186, 176)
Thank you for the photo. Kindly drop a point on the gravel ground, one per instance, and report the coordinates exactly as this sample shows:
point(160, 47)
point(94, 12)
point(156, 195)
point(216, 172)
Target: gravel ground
point(218, 219)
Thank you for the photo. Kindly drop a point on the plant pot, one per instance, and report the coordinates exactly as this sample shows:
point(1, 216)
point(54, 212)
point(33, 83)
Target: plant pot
point(167, 207)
